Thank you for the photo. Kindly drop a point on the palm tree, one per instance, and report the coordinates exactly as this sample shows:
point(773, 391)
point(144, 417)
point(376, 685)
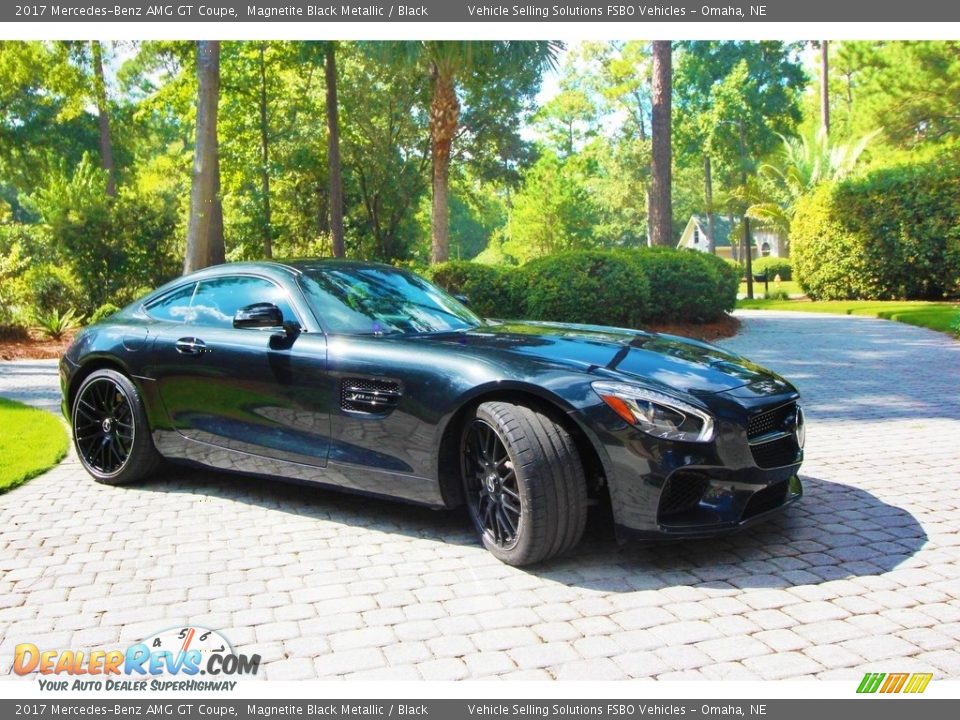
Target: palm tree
point(205, 227)
point(804, 164)
point(446, 61)
point(661, 210)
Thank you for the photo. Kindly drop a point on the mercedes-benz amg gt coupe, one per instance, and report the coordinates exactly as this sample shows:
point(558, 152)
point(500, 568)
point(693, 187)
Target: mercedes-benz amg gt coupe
point(370, 379)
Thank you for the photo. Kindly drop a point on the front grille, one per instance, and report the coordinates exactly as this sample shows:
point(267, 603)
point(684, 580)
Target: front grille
point(768, 498)
point(776, 453)
point(682, 492)
point(771, 421)
point(368, 396)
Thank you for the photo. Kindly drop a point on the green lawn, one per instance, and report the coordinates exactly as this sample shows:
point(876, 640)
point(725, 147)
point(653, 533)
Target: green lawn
point(940, 316)
point(31, 441)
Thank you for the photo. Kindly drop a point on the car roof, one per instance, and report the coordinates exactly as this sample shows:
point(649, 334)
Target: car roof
point(292, 266)
point(277, 269)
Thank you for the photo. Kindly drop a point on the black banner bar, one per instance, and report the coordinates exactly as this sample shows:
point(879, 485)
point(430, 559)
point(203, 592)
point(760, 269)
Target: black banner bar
point(300, 11)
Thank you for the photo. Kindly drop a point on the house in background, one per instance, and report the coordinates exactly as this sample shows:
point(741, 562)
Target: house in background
point(766, 243)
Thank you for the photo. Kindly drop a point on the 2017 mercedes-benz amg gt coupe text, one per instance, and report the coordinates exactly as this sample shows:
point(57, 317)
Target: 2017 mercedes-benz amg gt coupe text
point(369, 378)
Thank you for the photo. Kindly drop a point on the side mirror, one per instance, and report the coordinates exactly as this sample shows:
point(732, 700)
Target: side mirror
point(464, 300)
point(258, 315)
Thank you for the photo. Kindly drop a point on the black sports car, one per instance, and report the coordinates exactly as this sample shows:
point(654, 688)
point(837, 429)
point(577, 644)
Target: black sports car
point(371, 379)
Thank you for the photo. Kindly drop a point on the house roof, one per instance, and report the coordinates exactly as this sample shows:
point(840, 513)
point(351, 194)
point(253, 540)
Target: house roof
point(722, 227)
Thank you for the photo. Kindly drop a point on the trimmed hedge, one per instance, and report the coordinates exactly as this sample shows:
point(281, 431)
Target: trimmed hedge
point(620, 287)
point(593, 287)
point(492, 291)
point(773, 266)
point(891, 234)
point(686, 286)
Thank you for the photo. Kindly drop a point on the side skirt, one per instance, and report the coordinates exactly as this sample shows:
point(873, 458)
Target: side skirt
point(418, 490)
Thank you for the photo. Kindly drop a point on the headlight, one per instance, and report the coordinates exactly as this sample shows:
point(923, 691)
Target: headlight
point(655, 413)
point(801, 427)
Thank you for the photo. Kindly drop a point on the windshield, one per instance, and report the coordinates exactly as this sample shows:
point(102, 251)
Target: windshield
point(372, 300)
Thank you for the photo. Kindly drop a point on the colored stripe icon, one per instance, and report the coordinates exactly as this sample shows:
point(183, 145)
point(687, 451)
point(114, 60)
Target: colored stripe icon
point(894, 683)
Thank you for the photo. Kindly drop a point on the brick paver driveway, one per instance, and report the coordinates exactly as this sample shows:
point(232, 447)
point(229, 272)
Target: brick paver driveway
point(864, 573)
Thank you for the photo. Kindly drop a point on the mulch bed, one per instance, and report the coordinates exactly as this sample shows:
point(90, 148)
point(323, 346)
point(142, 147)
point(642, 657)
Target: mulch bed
point(709, 332)
point(33, 346)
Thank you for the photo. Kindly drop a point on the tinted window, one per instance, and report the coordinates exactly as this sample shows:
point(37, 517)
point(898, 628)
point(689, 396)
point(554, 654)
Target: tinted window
point(216, 301)
point(174, 307)
point(359, 300)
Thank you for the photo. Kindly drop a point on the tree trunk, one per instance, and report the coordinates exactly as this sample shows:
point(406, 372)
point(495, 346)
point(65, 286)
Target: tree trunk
point(216, 251)
point(747, 245)
point(205, 228)
point(746, 250)
point(708, 198)
point(825, 86)
point(265, 157)
point(661, 211)
point(444, 116)
point(333, 153)
point(103, 116)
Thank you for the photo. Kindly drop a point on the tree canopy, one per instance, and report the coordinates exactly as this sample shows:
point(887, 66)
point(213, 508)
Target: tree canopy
point(522, 172)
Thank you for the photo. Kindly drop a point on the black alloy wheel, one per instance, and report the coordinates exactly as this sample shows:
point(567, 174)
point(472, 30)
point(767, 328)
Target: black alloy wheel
point(491, 483)
point(110, 429)
point(523, 481)
point(103, 426)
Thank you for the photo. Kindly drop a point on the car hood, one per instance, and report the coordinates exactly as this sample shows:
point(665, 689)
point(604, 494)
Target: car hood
point(630, 355)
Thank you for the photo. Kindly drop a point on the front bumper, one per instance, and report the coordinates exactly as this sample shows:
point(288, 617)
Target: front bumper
point(726, 508)
point(662, 488)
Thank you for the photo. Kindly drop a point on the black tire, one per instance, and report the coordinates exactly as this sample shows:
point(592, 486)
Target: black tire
point(110, 430)
point(527, 496)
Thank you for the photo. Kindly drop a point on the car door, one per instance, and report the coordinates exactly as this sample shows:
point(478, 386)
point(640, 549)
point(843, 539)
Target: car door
point(257, 391)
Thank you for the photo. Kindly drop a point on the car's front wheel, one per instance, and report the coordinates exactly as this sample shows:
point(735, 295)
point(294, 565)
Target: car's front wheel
point(110, 429)
point(524, 483)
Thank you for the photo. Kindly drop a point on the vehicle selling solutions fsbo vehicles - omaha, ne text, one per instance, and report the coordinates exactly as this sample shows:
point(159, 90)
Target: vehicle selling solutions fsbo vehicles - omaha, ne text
point(369, 378)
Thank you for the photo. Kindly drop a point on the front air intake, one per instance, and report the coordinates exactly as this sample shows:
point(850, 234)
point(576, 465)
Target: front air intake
point(682, 492)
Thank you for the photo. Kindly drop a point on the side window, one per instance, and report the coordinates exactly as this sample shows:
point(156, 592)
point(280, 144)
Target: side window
point(174, 307)
point(217, 300)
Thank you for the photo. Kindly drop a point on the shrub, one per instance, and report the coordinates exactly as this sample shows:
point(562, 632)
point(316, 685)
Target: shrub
point(685, 286)
point(103, 312)
point(893, 233)
point(14, 333)
point(735, 267)
point(586, 286)
point(773, 266)
point(620, 287)
point(493, 291)
point(777, 295)
point(55, 325)
point(115, 245)
point(47, 287)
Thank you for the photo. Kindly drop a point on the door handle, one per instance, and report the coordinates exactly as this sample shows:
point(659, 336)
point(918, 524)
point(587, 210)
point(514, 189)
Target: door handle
point(191, 346)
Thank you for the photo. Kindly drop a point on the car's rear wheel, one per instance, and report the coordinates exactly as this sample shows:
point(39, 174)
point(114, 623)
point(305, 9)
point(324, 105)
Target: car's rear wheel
point(524, 483)
point(110, 430)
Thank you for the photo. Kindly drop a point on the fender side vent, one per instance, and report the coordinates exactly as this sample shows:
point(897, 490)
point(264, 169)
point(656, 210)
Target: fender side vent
point(373, 397)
